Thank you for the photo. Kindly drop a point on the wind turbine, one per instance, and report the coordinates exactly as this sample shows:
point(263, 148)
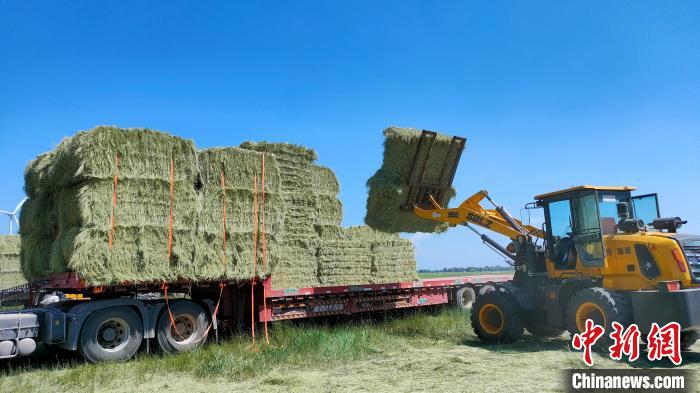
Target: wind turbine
point(13, 215)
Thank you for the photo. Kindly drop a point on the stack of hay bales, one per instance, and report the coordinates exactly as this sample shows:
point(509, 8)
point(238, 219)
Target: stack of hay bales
point(392, 258)
point(389, 185)
point(297, 264)
point(10, 272)
point(74, 195)
point(67, 221)
point(242, 175)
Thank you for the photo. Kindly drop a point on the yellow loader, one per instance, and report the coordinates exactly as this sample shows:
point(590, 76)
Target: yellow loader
point(601, 254)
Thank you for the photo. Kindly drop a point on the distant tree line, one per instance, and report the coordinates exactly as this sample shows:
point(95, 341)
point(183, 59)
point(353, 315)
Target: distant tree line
point(467, 269)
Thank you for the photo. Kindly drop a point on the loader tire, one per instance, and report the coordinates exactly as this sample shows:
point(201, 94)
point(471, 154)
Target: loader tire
point(496, 318)
point(603, 307)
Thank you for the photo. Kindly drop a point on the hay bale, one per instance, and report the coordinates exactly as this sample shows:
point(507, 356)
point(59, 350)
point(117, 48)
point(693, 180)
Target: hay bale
point(297, 266)
point(289, 151)
point(11, 280)
point(38, 228)
point(36, 172)
point(329, 211)
point(388, 187)
point(393, 261)
point(141, 154)
point(294, 161)
point(239, 167)
point(140, 202)
point(325, 181)
point(295, 164)
point(342, 262)
point(392, 258)
point(10, 270)
point(9, 244)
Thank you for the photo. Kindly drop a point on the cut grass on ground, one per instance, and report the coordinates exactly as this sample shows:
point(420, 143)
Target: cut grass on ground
point(413, 351)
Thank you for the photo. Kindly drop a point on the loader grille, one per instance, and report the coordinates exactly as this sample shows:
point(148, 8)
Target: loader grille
point(692, 255)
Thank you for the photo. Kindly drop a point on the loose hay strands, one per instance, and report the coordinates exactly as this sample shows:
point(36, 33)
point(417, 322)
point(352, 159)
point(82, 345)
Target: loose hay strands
point(388, 187)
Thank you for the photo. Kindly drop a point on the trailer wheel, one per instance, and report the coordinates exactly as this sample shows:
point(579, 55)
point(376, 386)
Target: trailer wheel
point(496, 318)
point(486, 288)
point(112, 334)
point(465, 297)
point(191, 323)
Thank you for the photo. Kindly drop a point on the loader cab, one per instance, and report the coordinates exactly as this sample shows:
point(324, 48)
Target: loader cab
point(578, 219)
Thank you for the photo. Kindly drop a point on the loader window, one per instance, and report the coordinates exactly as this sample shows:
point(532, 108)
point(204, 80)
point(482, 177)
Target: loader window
point(587, 233)
point(561, 245)
point(646, 207)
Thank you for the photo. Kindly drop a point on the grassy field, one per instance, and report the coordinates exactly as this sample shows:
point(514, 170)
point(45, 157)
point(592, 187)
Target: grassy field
point(453, 274)
point(414, 351)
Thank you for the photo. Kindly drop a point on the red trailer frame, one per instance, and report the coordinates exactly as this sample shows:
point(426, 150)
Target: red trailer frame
point(294, 303)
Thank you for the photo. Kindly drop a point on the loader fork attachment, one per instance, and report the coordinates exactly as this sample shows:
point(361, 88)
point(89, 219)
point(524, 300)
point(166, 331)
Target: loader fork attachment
point(419, 191)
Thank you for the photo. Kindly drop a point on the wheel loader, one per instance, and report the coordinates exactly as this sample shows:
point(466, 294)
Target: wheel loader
point(600, 254)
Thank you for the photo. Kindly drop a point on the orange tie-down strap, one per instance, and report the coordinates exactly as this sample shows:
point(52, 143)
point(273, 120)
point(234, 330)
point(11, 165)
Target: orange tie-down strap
point(223, 216)
point(170, 313)
point(172, 202)
point(262, 217)
point(255, 257)
point(173, 325)
point(112, 221)
point(264, 245)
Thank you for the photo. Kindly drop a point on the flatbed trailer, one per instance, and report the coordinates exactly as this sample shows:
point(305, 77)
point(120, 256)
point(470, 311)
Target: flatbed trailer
point(113, 322)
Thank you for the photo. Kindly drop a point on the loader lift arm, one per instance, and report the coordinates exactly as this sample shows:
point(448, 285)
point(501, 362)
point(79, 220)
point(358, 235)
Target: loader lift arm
point(424, 197)
point(471, 211)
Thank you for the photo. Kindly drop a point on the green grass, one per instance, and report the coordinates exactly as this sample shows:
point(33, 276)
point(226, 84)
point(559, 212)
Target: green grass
point(457, 274)
point(295, 344)
point(413, 351)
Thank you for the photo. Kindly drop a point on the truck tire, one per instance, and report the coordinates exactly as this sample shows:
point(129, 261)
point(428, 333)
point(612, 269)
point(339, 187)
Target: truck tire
point(465, 297)
point(189, 332)
point(600, 305)
point(111, 334)
point(496, 318)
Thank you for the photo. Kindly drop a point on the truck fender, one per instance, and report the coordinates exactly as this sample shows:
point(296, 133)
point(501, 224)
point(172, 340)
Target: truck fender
point(521, 297)
point(77, 315)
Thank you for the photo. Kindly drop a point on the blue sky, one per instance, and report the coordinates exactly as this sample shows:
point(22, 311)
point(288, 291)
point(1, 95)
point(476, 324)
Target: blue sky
point(548, 94)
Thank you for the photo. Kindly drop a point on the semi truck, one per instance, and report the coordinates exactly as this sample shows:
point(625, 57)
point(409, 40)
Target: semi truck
point(114, 322)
